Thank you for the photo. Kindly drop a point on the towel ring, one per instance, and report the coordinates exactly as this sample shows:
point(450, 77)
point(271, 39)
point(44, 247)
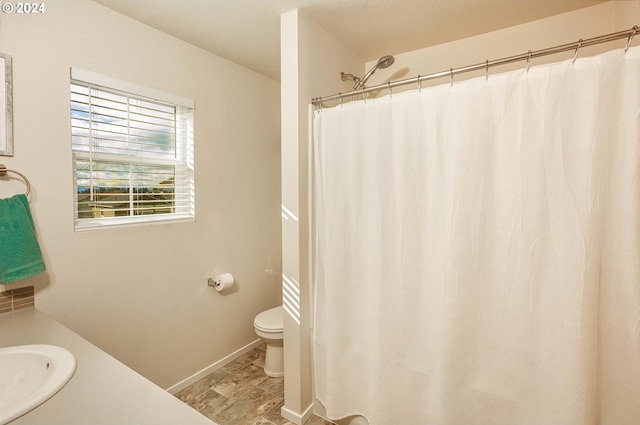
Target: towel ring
point(4, 170)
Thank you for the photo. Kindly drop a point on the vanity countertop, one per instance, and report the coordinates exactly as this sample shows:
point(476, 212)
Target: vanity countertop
point(102, 390)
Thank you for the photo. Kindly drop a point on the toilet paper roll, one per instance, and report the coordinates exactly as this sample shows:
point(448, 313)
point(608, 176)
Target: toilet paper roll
point(223, 281)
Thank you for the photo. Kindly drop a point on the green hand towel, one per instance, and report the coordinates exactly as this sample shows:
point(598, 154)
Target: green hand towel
point(20, 255)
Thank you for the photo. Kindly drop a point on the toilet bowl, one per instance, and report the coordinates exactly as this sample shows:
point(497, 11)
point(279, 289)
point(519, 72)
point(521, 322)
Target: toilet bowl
point(269, 327)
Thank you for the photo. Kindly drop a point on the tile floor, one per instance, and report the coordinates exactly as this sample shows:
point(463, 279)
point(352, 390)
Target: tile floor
point(240, 393)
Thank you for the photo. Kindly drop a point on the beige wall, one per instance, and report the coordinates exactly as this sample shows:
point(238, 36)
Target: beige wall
point(312, 61)
point(141, 293)
point(593, 21)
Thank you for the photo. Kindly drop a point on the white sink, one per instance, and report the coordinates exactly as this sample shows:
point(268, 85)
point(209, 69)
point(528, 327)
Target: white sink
point(31, 374)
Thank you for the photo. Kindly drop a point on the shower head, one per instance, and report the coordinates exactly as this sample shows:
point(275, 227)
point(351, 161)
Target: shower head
point(383, 62)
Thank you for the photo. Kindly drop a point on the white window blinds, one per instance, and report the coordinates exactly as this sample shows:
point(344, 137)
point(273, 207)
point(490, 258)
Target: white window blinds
point(132, 154)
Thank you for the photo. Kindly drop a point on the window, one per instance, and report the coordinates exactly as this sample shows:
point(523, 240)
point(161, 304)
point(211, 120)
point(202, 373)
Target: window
point(132, 153)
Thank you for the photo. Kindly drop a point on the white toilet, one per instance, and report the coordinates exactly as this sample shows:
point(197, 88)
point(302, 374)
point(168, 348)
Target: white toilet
point(269, 327)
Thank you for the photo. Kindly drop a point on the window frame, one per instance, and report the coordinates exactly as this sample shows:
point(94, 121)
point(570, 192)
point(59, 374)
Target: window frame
point(183, 161)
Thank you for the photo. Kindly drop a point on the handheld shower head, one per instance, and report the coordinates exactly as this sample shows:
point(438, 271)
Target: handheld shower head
point(383, 62)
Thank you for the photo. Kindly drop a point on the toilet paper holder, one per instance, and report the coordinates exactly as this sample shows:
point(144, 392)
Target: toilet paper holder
point(221, 281)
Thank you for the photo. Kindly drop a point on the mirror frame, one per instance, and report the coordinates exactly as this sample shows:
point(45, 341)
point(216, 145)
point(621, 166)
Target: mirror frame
point(6, 112)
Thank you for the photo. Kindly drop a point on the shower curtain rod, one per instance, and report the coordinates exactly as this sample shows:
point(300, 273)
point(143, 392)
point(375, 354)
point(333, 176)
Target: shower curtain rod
point(629, 34)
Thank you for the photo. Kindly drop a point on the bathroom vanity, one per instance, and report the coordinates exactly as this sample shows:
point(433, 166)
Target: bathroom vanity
point(102, 389)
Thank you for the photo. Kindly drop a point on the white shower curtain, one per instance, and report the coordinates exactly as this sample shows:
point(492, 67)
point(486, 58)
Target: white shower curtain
point(477, 250)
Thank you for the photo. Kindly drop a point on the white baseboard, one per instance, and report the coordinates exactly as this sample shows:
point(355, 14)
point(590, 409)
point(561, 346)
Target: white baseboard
point(295, 417)
point(212, 367)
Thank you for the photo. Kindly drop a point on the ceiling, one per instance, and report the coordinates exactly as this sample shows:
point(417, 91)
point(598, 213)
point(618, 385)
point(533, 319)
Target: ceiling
point(248, 31)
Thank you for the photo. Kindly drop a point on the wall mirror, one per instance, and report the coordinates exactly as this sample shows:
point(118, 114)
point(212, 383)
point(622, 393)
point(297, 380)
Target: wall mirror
point(6, 110)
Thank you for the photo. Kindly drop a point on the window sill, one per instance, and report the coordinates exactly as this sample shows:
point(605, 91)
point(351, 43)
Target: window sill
point(96, 224)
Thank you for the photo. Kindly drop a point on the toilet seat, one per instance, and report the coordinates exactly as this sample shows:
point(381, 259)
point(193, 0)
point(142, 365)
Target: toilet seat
point(269, 321)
